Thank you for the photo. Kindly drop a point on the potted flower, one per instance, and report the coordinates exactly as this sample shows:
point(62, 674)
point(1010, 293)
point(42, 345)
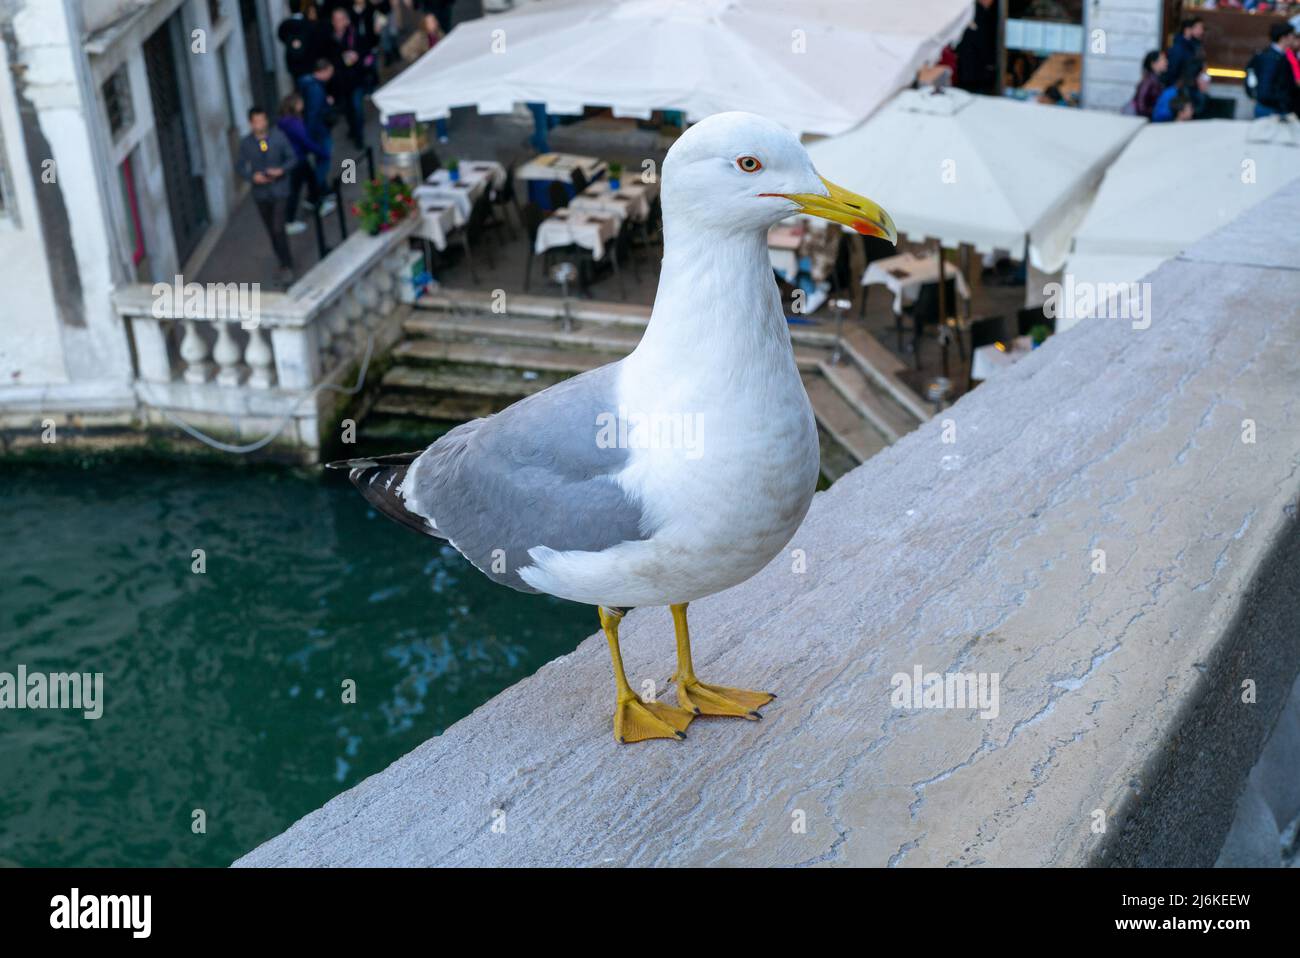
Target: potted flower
point(384, 204)
point(453, 169)
point(1038, 334)
point(615, 175)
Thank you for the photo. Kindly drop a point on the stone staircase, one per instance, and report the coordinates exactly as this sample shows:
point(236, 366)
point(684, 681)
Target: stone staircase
point(458, 360)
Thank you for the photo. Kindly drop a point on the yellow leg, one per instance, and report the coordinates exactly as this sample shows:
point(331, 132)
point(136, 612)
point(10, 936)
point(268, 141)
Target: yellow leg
point(704, 699)
point(634, 720)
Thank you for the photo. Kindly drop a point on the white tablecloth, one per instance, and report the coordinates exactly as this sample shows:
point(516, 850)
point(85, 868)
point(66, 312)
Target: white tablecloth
point(495, 171)
point(559, 166)
point(632, 198)
point(987, 360)
point(462, 194)
point(437, 220)
point(588, 230)
point(906, 273)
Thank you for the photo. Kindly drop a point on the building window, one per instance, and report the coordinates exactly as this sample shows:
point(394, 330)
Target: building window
point(117, 101)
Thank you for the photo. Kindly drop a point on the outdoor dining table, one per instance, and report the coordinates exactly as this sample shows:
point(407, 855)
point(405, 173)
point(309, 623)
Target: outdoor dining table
point(905, 274)
point(462, 193)
point(631, 199)
point(547, 168)
point(437, 220)
point(568, 227)
point(986, 361)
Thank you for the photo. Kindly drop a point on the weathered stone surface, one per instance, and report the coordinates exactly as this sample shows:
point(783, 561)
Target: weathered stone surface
point(1121, 692)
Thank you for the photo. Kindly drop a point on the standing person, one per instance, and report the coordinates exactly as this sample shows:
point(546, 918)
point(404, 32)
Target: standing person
point(266, 160)
point(304, 40)
point(1275, 82)
point(977, 52)
point(1192, 87)
point(314, 88)
point(440, 9)
point(1186, 48)
point(1149, 87)
point(352, 61)
point(420, 42)
point(368, 17)
point(309, 154)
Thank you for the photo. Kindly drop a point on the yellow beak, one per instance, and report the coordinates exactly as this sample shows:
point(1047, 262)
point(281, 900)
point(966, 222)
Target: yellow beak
point(856, 212)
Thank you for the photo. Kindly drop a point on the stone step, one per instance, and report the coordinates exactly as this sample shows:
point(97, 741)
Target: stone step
point(611, 338)
point(537, 359)
point(869, 399)
point(834, 414)
point(630, 315)
point(503, 383)
point(532, 343)
point(885, 368)
point(450, 408)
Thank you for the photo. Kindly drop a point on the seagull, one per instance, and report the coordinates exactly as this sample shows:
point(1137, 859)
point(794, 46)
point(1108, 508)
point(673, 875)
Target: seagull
point(676, 472)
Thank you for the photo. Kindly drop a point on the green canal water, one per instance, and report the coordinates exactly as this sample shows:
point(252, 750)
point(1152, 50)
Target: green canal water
point(223, 691)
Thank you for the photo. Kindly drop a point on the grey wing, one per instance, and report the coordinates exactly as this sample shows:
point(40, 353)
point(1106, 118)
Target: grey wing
point(534, 474)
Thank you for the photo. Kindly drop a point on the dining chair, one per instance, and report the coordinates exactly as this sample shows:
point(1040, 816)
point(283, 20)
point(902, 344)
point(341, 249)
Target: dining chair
point(533, 217)
point(925, 312)
point(1027, 319)
point(984, 331)
point(504, 200)
point(874, 248)
point(429, 163)
point(557, 194)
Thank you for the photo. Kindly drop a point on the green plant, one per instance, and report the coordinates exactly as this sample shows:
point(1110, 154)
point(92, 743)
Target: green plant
point(383, 204)
point(615, 170)
point(1039, 333)
point(453, 165)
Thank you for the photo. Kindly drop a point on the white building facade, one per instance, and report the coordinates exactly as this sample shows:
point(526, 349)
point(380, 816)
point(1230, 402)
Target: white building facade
point(118, 125)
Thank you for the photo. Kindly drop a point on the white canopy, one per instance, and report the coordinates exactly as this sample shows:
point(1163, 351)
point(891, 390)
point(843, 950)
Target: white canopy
point(1178, 182)
point(818, 66)
point(981, 170)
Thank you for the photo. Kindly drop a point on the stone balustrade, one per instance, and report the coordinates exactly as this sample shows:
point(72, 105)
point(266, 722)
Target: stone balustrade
point(235, 361)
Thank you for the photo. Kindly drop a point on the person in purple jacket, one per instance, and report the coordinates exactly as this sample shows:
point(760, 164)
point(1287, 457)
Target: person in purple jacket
point(1150, 87)
point(310, 155)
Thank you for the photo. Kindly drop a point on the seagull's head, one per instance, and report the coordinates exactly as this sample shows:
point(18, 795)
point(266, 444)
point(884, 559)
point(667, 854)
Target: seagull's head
point(740, 171)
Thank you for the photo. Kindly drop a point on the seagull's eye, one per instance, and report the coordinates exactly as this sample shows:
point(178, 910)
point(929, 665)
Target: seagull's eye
point(749, 164)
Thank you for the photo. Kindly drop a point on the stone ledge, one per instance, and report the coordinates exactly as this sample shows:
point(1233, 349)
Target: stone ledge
point(1120, 691)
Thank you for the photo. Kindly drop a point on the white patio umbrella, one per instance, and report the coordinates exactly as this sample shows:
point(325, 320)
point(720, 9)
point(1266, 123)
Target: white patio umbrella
point(984, 171)
point(818, 66)
point(1173, 185)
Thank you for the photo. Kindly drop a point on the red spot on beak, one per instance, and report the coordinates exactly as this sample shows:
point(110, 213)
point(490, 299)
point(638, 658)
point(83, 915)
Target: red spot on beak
point(865, 228)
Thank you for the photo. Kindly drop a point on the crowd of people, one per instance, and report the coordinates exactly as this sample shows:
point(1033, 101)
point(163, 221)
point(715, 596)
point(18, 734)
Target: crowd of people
point(1175, 84)
point(334, 50)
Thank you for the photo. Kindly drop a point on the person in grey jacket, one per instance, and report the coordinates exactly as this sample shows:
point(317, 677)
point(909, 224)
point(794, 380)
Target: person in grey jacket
point(266, 159)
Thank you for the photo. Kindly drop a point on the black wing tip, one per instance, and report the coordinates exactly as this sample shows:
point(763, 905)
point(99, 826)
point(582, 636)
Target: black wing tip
point(374, 462)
